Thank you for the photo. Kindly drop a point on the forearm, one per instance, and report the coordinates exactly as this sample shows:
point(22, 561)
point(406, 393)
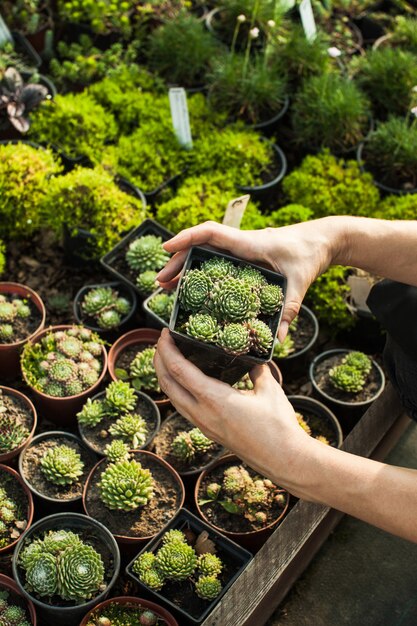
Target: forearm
point(382, 247)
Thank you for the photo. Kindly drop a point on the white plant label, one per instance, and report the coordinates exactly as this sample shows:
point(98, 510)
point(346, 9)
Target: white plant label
point(235, 211)
point(5, 34)
point(307, 19)
point(180, 116)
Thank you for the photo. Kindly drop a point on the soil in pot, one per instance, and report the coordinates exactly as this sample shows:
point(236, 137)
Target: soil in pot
point(144, 521)
point(317, 427)
point(126, 611)
point(163, 446)
point(321, 376)
point(124, 361)
point(17, 419)
point(217, 515)
point(300, 334)
point(98, 437)
point(13, 509)
point(24, 319)
point(32, 471)
point(14, 599)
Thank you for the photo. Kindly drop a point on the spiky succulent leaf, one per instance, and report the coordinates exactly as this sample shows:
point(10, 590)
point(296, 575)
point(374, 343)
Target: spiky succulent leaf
point(176, 561)
point(209, 564)
point(80, 572)
point(61, 465)
point(146, 282)
point(116, 451)
point(126, 485)
point(161, 304)
point(108, 319)
point(359, 361)
point(96, 300)
point(92, 413)
point(233, 300)
point(195, 289)
point(208, 587)
point(271, 298)
point(131, 428)
point(142, 371)
point(146, 253)
point(261, 337)
point(347, 378)
point(203, 327)
point(41, 575)
point(13, 615)
point(144, 563)
point(30, 553)
point(172, 536)
point(218, 268)
point(235, 339)
point(251, 276)
point(200, 442)
point(121, 397)
point(182, 447)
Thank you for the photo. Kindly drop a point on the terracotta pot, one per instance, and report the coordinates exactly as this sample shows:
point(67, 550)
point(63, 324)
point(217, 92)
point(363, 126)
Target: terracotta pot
point(136, 541)
point(10, 585)
point(62, 411)
point(29, 516)
point(8, 456)
point(252, 540)
point(10, 352)
point(140, 602)
point(148, 336)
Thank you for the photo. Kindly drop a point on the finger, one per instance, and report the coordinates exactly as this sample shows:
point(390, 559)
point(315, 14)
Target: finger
point(293, 298)
point(262, 378)
point(182, 400)
point(172, 268)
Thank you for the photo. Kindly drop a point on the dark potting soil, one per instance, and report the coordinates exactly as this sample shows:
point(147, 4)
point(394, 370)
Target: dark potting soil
point(303, 332)
point(319, 426)
point(120, 264)
point(25, 327)
point(145, 521)
point(98, 437)
point(230, 522)
point(15, 493)
point(14, 599)
point(163, 442)
point(390, 179)
point(18, 410)
point(31, 469)
point(125, 359)
point(321, 376)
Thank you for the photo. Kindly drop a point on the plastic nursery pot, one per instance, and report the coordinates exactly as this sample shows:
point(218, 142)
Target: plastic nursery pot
point(88, 322)
point(8, 584)
point(325, 420)
point(153, 320)
point(25, 48)
point(144, 401)
point(114, 261)
point(296, 363)
point(50, 503)
point(361, 158)
point(265, 191)
point(62, 411)
point(66, 613)
point(251, 540)
point(131, 601)
point(30, 507)
point(144, 457)
point(370, 28)
point(211, 359)
point(8, 456)
point(10, 352)
point(140, 337)
point(236, 558)
point(347, 411)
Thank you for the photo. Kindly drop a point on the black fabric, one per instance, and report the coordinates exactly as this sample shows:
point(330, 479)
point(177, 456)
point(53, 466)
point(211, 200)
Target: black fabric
point(402, 372)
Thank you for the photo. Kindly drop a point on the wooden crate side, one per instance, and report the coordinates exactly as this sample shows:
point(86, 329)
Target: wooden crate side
point(257, 591)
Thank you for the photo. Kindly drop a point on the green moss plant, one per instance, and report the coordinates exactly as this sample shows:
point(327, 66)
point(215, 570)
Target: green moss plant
point(404, 33)
point(103, 16)
point(327, 297)
point(398, 207)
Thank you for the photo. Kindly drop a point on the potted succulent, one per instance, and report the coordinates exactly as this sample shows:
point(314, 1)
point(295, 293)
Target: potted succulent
point(134, 494)
point(317, 420)
point(66, 564)
point(118, 414)
point(22, 315)
point(55, 466)
point(22, 609)
point(131, 359)
point(63, 365)
point(18, 421)
point(106, 307)
point(226, 313)
point(292, 353)
point(224, 499)
point(158, 308)
point(188, 567)
point(126, 610)
point(16, 508)
point(347, 380)
point(139, 252)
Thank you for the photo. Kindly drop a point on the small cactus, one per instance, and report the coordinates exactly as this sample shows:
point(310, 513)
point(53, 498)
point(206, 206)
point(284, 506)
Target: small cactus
point(62, 465)
point(125, 486)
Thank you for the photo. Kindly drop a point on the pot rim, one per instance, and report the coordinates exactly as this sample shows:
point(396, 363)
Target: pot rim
point(310, 314)
point(30, 507)
point(272, 183)
point(156, 608)
point(328, 353)
point(36, 301)
point(393, 190)
point(10, 584)
point(14, 392)
point(251, 533)
point(158, 459)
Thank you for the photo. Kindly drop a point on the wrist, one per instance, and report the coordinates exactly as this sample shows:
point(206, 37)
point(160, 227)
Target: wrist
point(337, 232)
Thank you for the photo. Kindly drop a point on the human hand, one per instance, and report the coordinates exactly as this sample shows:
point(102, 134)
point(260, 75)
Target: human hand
point(301, 252)
point(259, 425)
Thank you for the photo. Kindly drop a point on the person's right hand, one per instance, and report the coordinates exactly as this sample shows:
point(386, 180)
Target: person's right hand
point(301, 252)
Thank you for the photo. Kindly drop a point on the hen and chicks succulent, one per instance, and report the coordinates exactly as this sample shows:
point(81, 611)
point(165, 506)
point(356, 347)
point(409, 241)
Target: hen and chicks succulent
point(125, 485)
point(225, 303)
point(65, 362)
point(11, 614)
point(12, 433)
point(11, 523)
point(11, 311)
point(106, 307)
point(146, 256)
point(62, 465)
point(176, 560)
point(161, 304)
point(352, 373)
point(189, 445)
point(125, 614)
point(141, 372)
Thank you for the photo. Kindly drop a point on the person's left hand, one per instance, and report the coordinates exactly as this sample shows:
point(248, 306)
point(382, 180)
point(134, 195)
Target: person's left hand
point(259, 426)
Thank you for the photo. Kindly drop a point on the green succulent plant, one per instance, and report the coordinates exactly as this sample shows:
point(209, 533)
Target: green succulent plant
point(120, 397)
point(116, 451)
point(62, 465)
point(347, 378)
point(218, 268)
point(208, 587)
point(146, 253)
point(143, 563)
point(96, 300)
point(80, 573)
point(14, 615)
point(195, 290)
point(233, 300)
point(176, 561)
point(188, 445)
point(106, 306)
point(209, 564)
point(152, 579)
point(234, 339)
point(12, 517)
point(261, 337)
point(125, 486)
point(359, 361)
point(12, 434)
point(102, 16)
point(162, 304)
point(42, 575)
point(131, 429)
point(92, 413)
point(271, 298)
point(55, 541)
point(142, 371)
point(174, 535)
point(202, 326)
point(146, 282)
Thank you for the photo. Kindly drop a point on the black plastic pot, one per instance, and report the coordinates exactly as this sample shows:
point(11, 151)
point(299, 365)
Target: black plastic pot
point(152, 195)
point(48, 504)
point(124, 290)
point(25, 48)
point(146, 399)
point(267, 127)
point(237, 555)
point(153, 320)
point(348, 413)
point(266, 192)
point(147, 227)
point(211, 359)
point(371, 29)
point(321, 411)
point(43, 80)
point(295, 364)
point(384, 188)
point(67, 614)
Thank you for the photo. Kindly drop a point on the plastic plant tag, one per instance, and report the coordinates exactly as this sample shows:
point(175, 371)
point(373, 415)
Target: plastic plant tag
point(235, 211)
point(307, 20)
point(180, 117)
point(5, 34)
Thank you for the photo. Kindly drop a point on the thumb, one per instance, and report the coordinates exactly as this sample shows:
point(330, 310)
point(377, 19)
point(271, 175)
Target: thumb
point(262, 378)
point(293, 298)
